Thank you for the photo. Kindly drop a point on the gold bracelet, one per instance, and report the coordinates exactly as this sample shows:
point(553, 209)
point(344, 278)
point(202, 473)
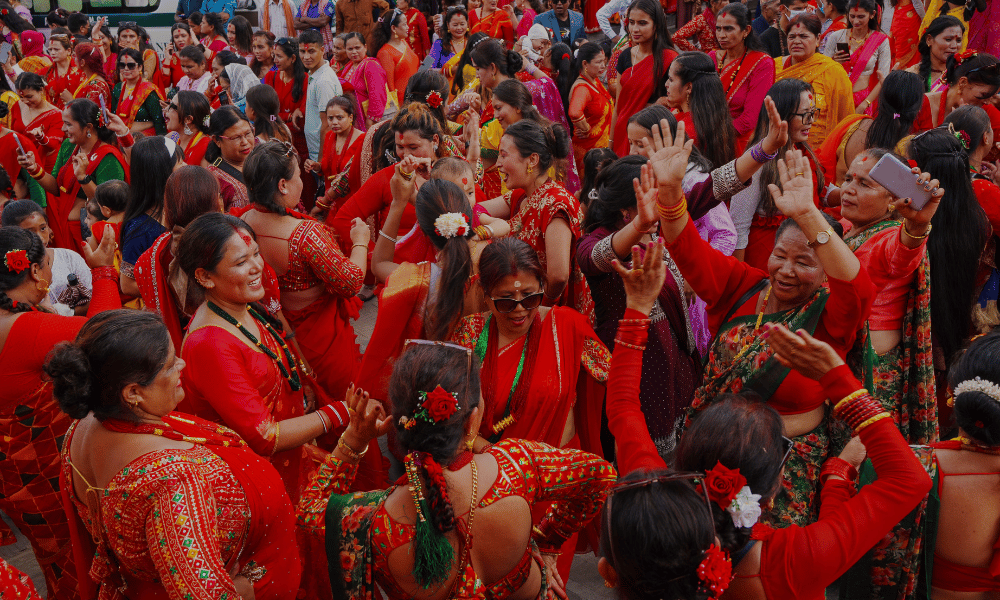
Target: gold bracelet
point(352, 455)
point(871, 421)
point(277, 430)
point(38, 174)
point(848, 398)
point(322, 206)
point(406, 176)
point(674, 212)
point(917, 237)
point(365, 246)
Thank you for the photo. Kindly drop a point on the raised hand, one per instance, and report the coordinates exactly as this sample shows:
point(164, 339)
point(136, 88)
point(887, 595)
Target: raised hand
point(360, 232)
point(669, 156)
point(795, 175)
point(777, 132)
point(368, 418)
point(104, 255)
point(920, 218)
point(801, 351)
point(644, 280)
point(646, 194)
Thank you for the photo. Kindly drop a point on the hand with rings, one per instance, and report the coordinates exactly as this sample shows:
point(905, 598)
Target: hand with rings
point(644, 281)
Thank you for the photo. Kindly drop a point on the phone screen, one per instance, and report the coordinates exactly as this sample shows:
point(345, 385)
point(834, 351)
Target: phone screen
point(20, 146)
point(845, 48)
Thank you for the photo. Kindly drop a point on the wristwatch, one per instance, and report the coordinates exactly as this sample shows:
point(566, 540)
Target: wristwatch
point(822, 237)
point(86, 180)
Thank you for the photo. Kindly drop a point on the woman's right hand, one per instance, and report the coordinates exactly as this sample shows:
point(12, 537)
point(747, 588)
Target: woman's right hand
point(795, 197)
point(104, 255)
point(368, 418)
point(646, 193)
point(66, 95)
point(854, 452)
point(669, 158)
point(643, 282)
point(116, 125)
point(310, 165)
point(27, 161)
point(360, 233)
point(842, 57)
point(800, 351)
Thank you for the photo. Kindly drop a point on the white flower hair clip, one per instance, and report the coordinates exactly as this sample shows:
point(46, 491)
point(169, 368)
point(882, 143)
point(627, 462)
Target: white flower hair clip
point(979, 385)
point(451, 225)
point(745, 508)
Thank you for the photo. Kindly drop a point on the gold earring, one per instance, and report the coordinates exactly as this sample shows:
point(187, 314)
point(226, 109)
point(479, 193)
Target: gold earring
point(531, 169)
point(133, 403)
point(470, 443)
point(608, 585)
point(42, 286)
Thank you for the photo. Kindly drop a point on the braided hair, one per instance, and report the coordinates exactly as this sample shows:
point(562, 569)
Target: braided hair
point(13, 239)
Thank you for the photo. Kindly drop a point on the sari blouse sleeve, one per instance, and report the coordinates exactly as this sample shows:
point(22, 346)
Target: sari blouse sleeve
point(183, 536)
point(234, 397)
point(334, 476)
point(385, 59)
point(321, 251)
point(376, 82)
point(110, 168)
point(596, 359)
point(847, 308)
point(574, 481)
point(578, 99)
point(155, 113)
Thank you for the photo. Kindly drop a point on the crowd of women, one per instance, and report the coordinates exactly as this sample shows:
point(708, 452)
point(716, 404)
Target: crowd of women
point(683, 309)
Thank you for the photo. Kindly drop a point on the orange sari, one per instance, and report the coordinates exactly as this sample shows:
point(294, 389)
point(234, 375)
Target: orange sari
point(497, 25)
point(592, 102)
point(903, 38)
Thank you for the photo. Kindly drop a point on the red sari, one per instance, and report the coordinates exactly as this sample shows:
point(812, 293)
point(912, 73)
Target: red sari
point(497, 25)
point(68, 234)
point(637, 87)
point(903, 38)
point(180, 520)
point(531, 216)
point(590, 101)
point(419, 38)
point(746, 82)
point(51, 124)
point(194, 150)
point(288, 105)
point(31, 430)
point(9, 149)
point(93, 88)
point(128, 106)
point(341, 179)
point(56, 84)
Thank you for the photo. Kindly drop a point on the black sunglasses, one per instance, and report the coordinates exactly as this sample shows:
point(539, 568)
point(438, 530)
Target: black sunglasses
point(125, 66)
point(529, 302)
point(787, 445)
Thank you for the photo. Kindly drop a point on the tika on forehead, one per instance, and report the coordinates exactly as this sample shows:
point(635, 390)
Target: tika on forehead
point(517, 283)
point(247, 239)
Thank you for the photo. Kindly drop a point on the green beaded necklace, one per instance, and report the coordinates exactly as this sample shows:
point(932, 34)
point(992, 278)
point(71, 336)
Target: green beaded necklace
point(293, 379)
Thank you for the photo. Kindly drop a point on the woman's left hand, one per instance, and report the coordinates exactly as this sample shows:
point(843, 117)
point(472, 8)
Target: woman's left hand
point(796, 199)
point(646, 194)
point(669, 156)
point(80, 164)
point(777, 131)
point(368, 418)
point(556, 586)
point(800, 351)
point(920, 218)
point(644, 280)
point(117, 125)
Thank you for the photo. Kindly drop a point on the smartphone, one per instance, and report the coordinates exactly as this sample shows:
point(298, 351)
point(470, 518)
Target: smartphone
point(893, 175)
point(844, 47)
point(20, 146)
point(5, 52)
point(104, 110)
point(223, 98)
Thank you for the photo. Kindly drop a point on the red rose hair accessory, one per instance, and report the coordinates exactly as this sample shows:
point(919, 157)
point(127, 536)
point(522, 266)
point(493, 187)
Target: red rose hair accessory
point(715, 571)
point(436, 406)
point(723, 484)
point(964, 138)
point(16, 260)
point(961, 57)
point(3, 11)
point(434, 99)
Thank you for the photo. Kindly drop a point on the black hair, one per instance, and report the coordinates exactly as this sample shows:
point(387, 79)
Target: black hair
point(258, 68)
point(194, 105)
point(787, 224)
point(243, 33)
point(196, 17)
point(550, 142)
point(494, 52)
point(615, 193)
point(594, 161)
point(786, 95)
point(869, 6)
point(352, 35)
point(182, 25)
point(266, 106)
point(311, 36)
point(713, 122)
point(14, 21)
point(382, 30)
point(113, 350)
point(973, 121)
point(267, 164)
point(30, 81)
point(217, 23)
point(131, 53)
point(58, 18)
point(742, 433)
point(112, 194)
point(652, 115)
point(655, 536)
point(446, 47)
point(193, 53)
point(290, 48)
point(586, 53)
point(740, 12)
point(514, 93)
point(228, 57)
point(561, 58)
point(150, 167)
point(15, 238)
point(508, 256)
point(76, 21)
point(16, 211)
point(959, 238)
point(899, 103)
point(983, 69)
point(661, 41)
point(977, 412)
point(435, 198)
point(459, 83)
point(421, 85)
point(839, 5)
point(342, 102)
point(937, 26)
point(203, 243)
point(85, 112)
point(221, 120)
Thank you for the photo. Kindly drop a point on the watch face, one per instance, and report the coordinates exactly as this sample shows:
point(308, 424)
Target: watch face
point(822, 237)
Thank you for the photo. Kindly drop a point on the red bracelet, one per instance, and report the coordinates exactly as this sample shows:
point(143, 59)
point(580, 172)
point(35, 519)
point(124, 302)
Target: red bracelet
point(126, 140)
point(337, 413)
point(109, 273)
point(839, 467)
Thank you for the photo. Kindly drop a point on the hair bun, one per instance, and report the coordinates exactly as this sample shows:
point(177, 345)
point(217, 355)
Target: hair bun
point(72, 381)
point(514, 62)
point(558, 141)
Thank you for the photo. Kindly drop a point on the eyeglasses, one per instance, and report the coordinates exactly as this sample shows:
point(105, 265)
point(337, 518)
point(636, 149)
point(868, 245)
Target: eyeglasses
point(236, 138)
point(788, 445)
point(529, 302)
point(807, 116)
point(128, 66)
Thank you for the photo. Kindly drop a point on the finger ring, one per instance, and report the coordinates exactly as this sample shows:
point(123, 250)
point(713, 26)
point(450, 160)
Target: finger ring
point(800, 173)
point(639, 271)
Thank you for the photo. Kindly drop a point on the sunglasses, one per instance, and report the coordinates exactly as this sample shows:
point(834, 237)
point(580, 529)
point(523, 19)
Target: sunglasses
point(529, 302)
point(127, 66)
point(172, 106)
point(787, 445)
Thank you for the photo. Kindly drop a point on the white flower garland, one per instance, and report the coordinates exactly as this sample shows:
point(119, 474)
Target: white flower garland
point(745, 508)
point(451, 225)
point(979, 385)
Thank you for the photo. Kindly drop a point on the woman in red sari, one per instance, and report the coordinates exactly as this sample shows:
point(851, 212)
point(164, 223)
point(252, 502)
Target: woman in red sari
point(641, 68)
point(93, 85)
point(171, 71)
point(540, 211)
point(10, 155)
point(108, 48)
point(63, 77)
point(35, 118)
point(341, 149)
point(746, 72)
point(194, 512)
point(590, 104)
point(492, 21)
point(31, 424)
point(416, 25)
point(869, 58)
point(185, 118)
point(289, 79)
point(543, 369)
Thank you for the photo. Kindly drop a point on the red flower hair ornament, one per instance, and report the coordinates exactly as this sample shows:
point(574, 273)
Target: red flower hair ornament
point(715, 571)
point(723, 484)
point(16, 260)
point(436, 406)
point(434, 99)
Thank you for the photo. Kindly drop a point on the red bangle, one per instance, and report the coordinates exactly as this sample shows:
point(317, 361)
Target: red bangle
point(839, 467)
point(337, 413)
point(109, 273)
point(126, 140)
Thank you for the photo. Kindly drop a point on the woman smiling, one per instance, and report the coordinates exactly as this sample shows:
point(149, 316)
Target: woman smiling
point(232, 141)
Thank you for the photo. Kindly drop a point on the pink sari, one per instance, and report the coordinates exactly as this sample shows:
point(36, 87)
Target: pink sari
point(546, 98)
point(859, 61)
point(370, 86)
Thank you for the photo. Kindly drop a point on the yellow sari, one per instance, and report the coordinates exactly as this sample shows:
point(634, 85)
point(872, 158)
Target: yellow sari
point(831, 86)
point(934, 11)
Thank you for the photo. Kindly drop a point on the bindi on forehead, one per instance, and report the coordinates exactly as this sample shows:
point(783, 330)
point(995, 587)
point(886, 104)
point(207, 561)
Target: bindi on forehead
point(246, 237)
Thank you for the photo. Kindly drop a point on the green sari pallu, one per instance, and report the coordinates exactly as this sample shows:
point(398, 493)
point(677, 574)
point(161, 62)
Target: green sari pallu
point(729, 369)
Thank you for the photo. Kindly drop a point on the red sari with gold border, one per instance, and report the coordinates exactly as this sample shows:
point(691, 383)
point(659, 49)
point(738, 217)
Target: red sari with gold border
point(56, 84)
point(51, 123)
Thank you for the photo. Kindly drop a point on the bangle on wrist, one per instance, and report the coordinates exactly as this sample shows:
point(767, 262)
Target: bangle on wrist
point(352, 454)
point(387, 236)
point(917, 237)
point(674, 212)
point(406, 175)
point(365, 246)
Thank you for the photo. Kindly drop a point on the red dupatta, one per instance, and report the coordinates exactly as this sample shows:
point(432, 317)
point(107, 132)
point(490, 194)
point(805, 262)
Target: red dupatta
point(637, 86)
point(128, 107)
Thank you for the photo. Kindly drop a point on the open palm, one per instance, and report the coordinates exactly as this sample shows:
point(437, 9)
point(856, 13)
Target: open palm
point(796, 194)
point(670, 154)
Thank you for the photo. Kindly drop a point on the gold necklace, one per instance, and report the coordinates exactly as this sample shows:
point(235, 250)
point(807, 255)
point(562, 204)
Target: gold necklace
point(756, 328)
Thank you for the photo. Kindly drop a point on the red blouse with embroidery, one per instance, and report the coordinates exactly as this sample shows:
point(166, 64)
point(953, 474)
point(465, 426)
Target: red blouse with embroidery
point(314, 258)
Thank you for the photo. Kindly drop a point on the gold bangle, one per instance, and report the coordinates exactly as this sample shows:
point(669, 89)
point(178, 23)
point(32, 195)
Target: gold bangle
point(39, 173)
point(917, 237)
point(871, 421)
point(322, 206)
point(848, 398)
point(352, 454)
point(365, 246)
point(277, 430)
point(406, 176)
point(673, 212)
